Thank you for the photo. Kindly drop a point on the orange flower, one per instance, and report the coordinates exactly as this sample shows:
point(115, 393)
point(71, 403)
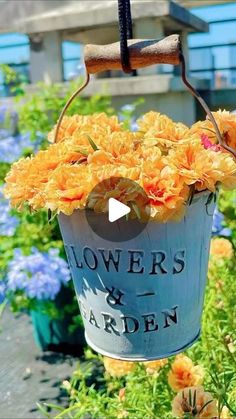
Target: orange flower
point(163, 157)
point(221, 248)
point(161, 130)
point(203, 167)
point(153, 367)
point(194, 402)
point(167, 193)
point(226, 122)
point(72, 125)
point(117, 368)
point(184, 373)
point(227, 125)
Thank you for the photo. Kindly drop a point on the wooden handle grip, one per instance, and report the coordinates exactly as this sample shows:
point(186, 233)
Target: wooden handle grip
point(142, 54)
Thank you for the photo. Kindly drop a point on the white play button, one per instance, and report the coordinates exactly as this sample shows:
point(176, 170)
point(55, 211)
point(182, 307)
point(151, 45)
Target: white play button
point(116, 210)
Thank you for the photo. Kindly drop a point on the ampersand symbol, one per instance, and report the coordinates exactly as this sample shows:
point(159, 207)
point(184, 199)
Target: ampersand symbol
point(114, 296)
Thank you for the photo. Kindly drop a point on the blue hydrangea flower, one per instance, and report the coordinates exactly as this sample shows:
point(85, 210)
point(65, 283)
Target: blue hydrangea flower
point(2, 291)
point(13, 147)
point(39, 275)
point(3, 110)
point(218, 228)
point(8, 222)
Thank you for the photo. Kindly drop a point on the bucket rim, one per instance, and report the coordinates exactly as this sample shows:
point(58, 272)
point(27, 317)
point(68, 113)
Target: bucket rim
point(141, 359)
point(196, 197)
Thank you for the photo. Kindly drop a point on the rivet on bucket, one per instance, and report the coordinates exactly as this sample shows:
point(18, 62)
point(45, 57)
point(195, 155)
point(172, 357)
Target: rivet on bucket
point(143, 298)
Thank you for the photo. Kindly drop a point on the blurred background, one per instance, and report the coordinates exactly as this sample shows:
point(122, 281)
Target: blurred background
point(43, 40)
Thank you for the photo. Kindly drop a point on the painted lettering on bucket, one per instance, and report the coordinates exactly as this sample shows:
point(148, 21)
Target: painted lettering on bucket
point(155, 262)
point(129, 324)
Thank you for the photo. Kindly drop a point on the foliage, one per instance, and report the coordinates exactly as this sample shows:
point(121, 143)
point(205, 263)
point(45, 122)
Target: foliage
point(95, 394)
point(38, 111)
point(227, 206)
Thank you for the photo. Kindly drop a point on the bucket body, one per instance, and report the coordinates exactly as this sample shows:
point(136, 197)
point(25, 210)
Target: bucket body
point(141, 299)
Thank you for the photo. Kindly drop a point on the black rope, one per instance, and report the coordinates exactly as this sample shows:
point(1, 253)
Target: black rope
point(126, 32)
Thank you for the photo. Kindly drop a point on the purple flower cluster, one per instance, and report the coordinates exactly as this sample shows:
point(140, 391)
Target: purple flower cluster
point(39, 275)
point(218, 228)
point(8, 222)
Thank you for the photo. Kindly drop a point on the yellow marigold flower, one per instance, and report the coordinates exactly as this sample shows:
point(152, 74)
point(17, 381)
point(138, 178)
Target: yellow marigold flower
point(225, 413)
point(153, 367)
point(117, 368)
point(221, 248)
point(196, 402)
point(184, 373)
point(71, 125)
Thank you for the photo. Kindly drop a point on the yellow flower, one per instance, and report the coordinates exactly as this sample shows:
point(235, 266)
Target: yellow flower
point(161, 130)
point(221, 248)
point(226, 122)
point(195, 402)
point(72, 125)
point(153, 367)
point(203, 167)
point(163, 157)
point(184, 373)
point(225, 413)
point(167, 194)
point(203, 127)
point(117, 368)
point(227, 125)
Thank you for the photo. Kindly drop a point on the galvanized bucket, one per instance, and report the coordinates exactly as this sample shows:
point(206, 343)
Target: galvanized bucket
point(141, 299)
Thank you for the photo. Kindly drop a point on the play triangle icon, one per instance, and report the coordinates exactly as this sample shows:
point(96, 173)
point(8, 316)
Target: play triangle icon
point(116, 210)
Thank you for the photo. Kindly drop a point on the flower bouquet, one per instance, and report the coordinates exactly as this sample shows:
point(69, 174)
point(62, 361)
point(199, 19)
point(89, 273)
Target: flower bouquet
point(142, 298)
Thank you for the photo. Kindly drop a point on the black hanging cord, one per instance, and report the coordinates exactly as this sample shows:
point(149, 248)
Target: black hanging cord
point(126, 32)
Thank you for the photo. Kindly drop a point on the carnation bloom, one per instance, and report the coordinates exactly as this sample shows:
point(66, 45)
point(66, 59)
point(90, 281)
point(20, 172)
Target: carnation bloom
point(117, 368)
point(71, 125)
point(184, 373)
point(163, 157)
point(226, 123)
point(203, 167)
point(221, 248)
point(153, 367)
point(195, 402)
point(161, 130)
point(167, 194)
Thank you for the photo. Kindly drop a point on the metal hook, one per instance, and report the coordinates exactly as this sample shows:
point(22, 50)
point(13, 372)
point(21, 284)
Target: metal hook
point(70, 100)
point(202, 102)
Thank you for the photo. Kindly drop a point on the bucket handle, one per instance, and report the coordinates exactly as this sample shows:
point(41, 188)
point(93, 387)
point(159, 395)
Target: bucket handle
point(142, 53)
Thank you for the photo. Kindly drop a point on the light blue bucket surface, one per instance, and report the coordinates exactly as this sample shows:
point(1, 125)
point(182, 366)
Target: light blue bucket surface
point(141, 299)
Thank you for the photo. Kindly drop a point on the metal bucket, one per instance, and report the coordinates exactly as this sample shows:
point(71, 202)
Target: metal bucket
point(141, 299)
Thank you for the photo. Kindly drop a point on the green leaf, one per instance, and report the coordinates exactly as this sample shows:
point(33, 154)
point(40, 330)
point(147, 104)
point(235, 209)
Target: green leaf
point(92, 143)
